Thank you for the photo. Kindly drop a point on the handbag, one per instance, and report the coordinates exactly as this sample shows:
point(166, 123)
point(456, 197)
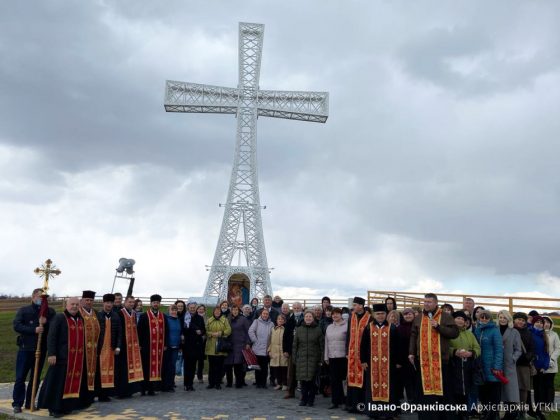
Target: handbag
point(223, 345)
point(250, 359)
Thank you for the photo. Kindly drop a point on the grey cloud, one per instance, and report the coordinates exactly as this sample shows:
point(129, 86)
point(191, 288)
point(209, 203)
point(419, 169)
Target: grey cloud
point(460, 166)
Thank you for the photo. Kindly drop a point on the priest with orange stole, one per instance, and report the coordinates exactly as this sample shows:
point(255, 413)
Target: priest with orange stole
point(91, 336)
point(357, 324)
point(151, 334)
point(65, 386)
point(110, 342)
point(128, 363)
point(378, 356)
point(429, 352)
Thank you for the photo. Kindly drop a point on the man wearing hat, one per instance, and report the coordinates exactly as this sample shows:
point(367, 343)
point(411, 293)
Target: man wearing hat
point(151, 335)
point(523, 364)
point(463, 350)
point(378, 351)
point(91, 338)
point(356, 385)
point(110, 342)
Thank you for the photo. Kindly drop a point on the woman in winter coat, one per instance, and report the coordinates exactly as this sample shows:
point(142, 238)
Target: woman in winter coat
point(308, 351)
point(492, 354)
point(512, 351)
point(541, 362)
point(217, 326)
point(278, 357)
point(240, 340)
point(259, 333)
point(463, 349)
point(199, 367)
point(554, 352)
point(406, 375)
point(335, 356)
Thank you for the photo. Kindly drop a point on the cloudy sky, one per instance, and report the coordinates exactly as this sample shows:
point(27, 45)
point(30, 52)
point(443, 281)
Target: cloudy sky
point(436, 170)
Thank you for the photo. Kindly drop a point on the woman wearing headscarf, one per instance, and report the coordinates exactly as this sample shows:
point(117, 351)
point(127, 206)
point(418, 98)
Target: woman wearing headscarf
point(391, 304)
point(254, 307)
point(512, 352)
point(217, 327)
point(181, 309)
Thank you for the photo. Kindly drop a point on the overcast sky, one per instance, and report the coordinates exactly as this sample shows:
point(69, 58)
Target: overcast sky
point(438, 168)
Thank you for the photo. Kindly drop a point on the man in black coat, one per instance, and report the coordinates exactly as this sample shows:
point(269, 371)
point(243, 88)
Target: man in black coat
point(28, 325)
point(107, 348)
point(193, 345)
point(65, 386)
point(294, 320)
point(267, 304)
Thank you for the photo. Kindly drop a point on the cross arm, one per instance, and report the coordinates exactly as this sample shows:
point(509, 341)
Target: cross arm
point(193, 97)
point(303, 106)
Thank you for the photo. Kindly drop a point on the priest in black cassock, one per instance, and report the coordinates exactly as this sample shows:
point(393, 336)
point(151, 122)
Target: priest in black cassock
point(65, 386)
point(128, 364)
point(109, 346)
point(153, 342)
point(378, 356)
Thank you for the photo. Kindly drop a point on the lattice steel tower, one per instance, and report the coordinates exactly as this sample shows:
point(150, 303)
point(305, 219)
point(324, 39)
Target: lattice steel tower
point(240, 254)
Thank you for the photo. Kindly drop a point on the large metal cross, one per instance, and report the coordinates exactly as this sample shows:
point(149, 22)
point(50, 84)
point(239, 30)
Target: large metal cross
point(47, 271)
point(241, 233)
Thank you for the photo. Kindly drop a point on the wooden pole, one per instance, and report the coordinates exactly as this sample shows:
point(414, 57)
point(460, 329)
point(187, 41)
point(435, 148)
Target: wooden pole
point(36, 379)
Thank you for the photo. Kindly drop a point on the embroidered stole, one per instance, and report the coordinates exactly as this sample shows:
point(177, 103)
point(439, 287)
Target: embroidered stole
point(107, 358)
point(157, 334)
point(75, 358)
point(355, 371)
point(91, 324)
point(380, 358)
point(135, 373)
point(430, 356)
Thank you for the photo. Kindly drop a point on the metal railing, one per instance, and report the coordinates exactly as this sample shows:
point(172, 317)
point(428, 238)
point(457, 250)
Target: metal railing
point(492, 302)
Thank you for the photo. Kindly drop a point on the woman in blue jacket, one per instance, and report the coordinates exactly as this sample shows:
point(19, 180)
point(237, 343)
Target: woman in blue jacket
point(492, 356)
point(541, 363)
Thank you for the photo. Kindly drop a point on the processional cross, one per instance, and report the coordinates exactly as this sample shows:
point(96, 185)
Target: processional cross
point(46, 271)
point(240, 252)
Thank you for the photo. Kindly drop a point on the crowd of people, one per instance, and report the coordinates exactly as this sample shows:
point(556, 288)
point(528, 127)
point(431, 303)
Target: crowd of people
point(366, 359)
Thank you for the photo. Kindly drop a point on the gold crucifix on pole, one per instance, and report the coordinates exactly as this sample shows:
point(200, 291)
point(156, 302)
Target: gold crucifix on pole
point(47, 271)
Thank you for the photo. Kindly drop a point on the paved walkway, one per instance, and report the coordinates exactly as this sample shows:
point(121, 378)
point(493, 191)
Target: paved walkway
point(227, 403)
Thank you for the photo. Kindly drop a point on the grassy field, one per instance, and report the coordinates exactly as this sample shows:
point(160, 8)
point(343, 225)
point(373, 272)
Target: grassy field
point(8, 347)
